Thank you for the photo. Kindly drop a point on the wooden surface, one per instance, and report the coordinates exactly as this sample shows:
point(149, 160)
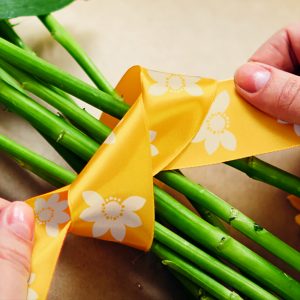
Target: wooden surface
point(206, 38)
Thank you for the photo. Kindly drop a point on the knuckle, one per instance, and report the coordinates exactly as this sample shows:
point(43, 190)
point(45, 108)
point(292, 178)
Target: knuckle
point(289, 94)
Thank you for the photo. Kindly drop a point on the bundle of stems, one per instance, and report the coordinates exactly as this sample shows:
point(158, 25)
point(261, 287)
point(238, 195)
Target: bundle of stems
point(38, 77)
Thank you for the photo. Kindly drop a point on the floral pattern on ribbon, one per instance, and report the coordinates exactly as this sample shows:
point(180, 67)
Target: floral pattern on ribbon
point(111, 214)
point(173, 83)
point(51, 213)
point(31, 293)
point(214, 129)
point(153, 148)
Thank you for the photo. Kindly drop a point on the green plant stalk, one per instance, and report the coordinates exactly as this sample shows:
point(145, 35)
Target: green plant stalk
point(263, 237)
point(97, 130)
point(87, 93)
point(47, 122)
point(209, 216)
point(224, 246)
point(182, 267)
point(36, 163)
point(259, 170)
point(60, 34)
point(53, 75)
point(194, 290)
point(209, 236)
point(8, 33)
point(73, 160)
point(198, 194)
point(10, 80)
point(252, 166)
point(210, 264)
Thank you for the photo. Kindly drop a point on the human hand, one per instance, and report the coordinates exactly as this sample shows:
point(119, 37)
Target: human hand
point(16, 235)
point(269, 81)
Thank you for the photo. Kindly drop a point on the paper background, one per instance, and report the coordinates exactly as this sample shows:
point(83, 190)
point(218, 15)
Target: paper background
point(208, 38)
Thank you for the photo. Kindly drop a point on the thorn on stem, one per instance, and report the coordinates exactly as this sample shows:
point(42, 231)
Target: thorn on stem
point(60, 136)
point(257, 227)
point(233, 214)
point(222, 242)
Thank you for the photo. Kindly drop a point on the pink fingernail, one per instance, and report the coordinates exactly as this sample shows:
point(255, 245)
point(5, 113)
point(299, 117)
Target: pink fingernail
point(252, 77)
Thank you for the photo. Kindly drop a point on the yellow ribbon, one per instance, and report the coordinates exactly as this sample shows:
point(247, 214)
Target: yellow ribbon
point(175, 121)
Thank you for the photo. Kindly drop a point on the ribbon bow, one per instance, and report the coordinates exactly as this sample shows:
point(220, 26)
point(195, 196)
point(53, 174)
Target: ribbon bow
point(175, 121)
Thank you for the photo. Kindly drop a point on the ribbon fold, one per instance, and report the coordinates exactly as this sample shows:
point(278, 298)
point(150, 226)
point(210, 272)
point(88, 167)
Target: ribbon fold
point(175, 121)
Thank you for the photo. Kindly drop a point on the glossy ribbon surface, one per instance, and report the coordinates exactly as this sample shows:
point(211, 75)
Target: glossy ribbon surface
point(175, 121)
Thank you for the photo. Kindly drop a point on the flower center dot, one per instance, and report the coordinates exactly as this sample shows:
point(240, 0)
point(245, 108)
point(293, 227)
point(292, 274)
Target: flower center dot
point(217, 123)
point(45, 215)
point(175, 83)
point(112, 210)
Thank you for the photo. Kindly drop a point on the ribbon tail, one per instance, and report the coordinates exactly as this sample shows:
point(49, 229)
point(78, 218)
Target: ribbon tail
point(49, 238)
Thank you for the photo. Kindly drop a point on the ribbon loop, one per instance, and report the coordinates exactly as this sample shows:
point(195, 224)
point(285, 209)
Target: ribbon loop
point(175, 121)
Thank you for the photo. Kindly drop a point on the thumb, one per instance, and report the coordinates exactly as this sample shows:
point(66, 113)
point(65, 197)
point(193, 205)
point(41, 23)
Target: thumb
point(271, 90)
point(16, 234)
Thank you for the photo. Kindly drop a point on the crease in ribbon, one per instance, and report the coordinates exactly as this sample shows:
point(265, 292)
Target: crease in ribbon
point(175, 121)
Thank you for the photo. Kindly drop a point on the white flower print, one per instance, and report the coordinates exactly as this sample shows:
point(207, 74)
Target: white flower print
point(111, 139)
point(51, 213)
point(295, 126)
point(174, 83)
point(214, 129)
point(31, 293)
point(154, 150)
point(111, 214)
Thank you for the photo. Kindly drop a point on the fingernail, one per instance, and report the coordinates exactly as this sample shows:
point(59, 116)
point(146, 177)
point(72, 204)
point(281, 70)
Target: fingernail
point(18, 217)
point(252, 77)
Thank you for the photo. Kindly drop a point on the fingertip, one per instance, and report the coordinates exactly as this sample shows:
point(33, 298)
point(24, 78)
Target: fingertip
point(251, 78)
point(19, 218)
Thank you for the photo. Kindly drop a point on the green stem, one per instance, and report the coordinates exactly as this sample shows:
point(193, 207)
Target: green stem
point(198, 194)
point(210, 264)
point(7, 31)
point(225, 246)
point(47, 122)
point(241, 223)
point(85, 92)
point(9, 34)
point(78, 88)
point(74, 161)
point(209, 216)
point(260, 170)
point(194, 290)
point(97, 130)
point(177, 264)
point(178, 215)
point(60, 34)
point(53, 75)
point(36, 163)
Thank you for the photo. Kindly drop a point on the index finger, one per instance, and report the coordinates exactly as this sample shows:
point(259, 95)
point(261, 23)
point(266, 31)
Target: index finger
point(282, 50)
